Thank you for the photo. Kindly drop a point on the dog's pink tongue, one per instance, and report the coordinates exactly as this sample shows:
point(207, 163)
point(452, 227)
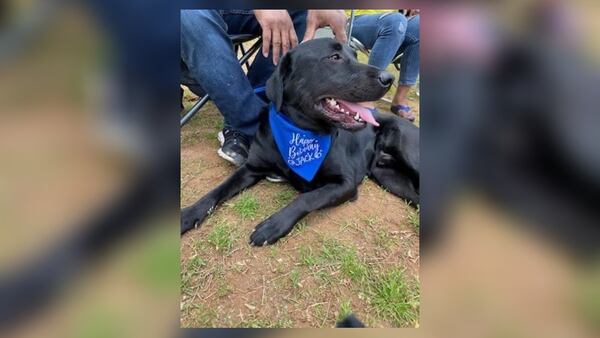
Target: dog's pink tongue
point(364, 113)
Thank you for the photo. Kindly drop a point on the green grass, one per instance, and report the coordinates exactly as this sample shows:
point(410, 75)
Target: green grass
point(221, 236)
point(345, 258)
point(190, 139)
point(345, 309)
point(346, 224)
point(195, 264)
point(295, 278)
point(224, 289)
point(210, 136)
point(186, 283)
point(203, 317)
point(393, 299)
point(332, 250)
point(284, 197)
point(414, 218)
point(274, 252)
point(319, 312)
point(307, 256)
point(246, 206)
point(299, 227)
point(218, 124)
point(334, 254)
point(352, 266)
point(383, 239)
point(371, 221)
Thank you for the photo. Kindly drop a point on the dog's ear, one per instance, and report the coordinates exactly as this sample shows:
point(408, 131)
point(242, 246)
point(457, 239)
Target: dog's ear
point(275, 82)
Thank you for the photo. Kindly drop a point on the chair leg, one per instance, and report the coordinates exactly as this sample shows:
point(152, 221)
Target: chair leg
point(251, 51)
point(243, 53)
point(190, 113)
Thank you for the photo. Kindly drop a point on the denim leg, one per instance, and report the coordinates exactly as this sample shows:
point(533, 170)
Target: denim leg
point(409, 63)
point(382, 34)
point(208, 55)
point(242, 22)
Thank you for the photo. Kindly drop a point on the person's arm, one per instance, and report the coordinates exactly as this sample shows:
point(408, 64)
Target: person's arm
point(336, 19)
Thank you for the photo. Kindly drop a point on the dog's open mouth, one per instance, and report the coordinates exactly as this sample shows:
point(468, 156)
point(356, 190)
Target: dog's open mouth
point(349, 115)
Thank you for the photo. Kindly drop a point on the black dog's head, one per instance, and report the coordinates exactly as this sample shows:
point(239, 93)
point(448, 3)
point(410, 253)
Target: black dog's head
point(322, 81)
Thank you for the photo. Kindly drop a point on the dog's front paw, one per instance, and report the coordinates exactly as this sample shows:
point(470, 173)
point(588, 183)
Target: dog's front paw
point(193, 216)
point(189, 219)
point(269, 232)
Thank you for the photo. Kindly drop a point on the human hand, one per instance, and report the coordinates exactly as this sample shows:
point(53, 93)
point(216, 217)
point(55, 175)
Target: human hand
point(278, 30)
point(336, 19)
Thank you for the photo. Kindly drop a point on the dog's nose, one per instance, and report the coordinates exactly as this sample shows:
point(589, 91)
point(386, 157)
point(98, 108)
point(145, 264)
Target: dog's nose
point(385, 79)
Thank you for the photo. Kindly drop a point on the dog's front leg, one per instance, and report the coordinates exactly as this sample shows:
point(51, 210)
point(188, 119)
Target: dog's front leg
point(282, 222)
point(195, 214)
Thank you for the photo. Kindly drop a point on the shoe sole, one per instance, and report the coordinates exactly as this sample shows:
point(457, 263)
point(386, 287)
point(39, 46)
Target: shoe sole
point(221, 138)
point(276, 179)
point(227, 158)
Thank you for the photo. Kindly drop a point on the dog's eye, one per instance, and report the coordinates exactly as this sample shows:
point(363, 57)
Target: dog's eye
point(335, 57)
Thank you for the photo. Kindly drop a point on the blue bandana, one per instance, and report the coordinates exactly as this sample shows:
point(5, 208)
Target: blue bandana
point(302, 150)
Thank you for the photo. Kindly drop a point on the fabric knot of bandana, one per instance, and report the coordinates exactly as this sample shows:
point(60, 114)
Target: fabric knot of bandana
point(302, 150)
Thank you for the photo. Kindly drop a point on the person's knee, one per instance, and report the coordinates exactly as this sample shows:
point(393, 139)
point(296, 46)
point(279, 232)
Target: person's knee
point(200, 20)
point(413, 28)
point(393, 23)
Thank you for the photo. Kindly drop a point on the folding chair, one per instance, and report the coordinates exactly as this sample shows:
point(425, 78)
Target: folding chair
point(238, 45)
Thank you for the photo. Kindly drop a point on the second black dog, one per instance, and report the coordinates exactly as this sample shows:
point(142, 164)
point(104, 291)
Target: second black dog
point(316, 86)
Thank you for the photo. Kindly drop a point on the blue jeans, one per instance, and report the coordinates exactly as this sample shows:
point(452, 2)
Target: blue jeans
point(388, 35)
point(382, 34)
point(210, 65)
point(409, 62)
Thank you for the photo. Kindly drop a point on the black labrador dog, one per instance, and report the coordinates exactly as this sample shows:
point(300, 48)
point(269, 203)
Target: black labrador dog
point(317, 86)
